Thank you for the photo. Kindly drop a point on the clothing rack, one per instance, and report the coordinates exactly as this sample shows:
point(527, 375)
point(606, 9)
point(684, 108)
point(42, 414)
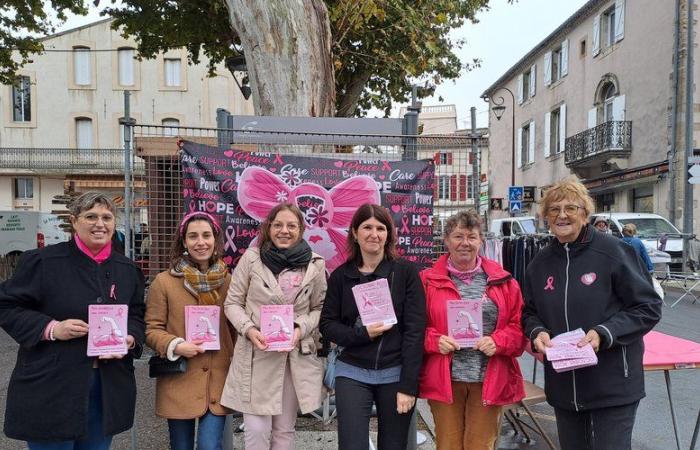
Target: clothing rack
point(514, 253)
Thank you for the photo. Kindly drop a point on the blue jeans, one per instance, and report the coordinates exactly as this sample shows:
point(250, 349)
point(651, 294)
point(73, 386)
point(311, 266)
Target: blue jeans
point(95, 439)
point(209, 434)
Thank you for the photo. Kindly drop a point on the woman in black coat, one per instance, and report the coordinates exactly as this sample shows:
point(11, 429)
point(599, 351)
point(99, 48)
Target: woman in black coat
point(58, 397)
point(380, 363)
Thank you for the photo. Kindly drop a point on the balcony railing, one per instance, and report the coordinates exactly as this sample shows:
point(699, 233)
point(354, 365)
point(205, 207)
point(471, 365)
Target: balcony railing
point(67, 160)
point(607, 140)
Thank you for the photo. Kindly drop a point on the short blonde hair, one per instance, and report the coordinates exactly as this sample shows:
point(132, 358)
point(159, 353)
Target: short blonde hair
point(629, 229)
point(567, 189)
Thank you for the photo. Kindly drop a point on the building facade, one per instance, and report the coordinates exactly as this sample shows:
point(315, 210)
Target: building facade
point(60, 123)
point(602, 98)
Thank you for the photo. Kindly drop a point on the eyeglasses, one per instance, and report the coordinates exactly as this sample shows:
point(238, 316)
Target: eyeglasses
point(569, 210)
point(277, 226)
point(93, 218)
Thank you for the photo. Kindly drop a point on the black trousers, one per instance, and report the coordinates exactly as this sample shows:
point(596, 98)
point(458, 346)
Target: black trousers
point(353, 402)
point(597, 429)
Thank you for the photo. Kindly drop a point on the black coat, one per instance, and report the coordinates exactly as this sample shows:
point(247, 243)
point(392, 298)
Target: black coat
point(47, 398)
point(597, 282)
point(402, 345)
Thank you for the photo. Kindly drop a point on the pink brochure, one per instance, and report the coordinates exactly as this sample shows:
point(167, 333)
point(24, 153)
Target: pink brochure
point(277, 326)
point(464, 321)
point(202, 324)
point(374, 303)
point(566, 355)
point(107, 330)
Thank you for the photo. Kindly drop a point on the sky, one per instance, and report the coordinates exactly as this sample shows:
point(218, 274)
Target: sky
point(504, 34)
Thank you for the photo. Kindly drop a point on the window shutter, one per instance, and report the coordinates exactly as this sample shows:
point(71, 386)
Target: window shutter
point(435, 187)
point(453, 187)
point(562, 127)
point(596, 35)
point(81, 66)
point(564, 66)
point(449, 158)
point(548, 68)
point(533, 79)
point(520, 89)
point(531, 148)
point(462, 187)
point(126, 66)
point(470, 159)
point(519, 149)
point(619, 20)
point(618, 107)
point(436, 158)
point(547, 133)
point(592, 117)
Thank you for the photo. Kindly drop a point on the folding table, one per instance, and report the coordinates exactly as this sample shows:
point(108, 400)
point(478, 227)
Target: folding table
point(684, 280)
point(664, 352)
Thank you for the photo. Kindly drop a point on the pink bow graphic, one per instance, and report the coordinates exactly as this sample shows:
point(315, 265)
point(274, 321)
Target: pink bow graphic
point(259, 190)
point(550, 284)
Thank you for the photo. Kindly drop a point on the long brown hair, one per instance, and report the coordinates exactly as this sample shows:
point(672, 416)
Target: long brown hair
point(264, 237)
point(366, 212)
point(178, 246)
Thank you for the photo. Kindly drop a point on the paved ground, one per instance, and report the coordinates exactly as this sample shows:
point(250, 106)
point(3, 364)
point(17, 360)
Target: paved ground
point(653, 430)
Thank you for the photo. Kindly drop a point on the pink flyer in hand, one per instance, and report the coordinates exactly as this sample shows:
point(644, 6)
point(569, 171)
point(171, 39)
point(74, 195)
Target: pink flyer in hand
point(464, 321)
point(374, 303)
point(277, 326)
point(107, 330)
point(566, 355)
point(202, 324)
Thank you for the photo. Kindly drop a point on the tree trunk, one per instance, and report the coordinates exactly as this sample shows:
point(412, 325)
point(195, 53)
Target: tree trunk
point(287, 46)
point(347, 103)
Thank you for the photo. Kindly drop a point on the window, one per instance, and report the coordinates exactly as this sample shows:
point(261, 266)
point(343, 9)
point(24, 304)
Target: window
point(81, 66)
point(604, 202)
point(556, 63)
point(608, 28)
point(526, 84)
point(176, 123)
point(582, 48)
point(24, 188)
point(609, 94)
point(126, 66)
point(554, 131)
point(643, 200)
point(444, 187)
point(442, 158)
point(470, 187)
point(21, 100)
point(525, 145)
point(172, 71)
point(83, 133)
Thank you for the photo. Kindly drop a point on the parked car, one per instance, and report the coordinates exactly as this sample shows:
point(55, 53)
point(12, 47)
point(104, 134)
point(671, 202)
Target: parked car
point(663, 241)
point(26, 230)
point(513, 226)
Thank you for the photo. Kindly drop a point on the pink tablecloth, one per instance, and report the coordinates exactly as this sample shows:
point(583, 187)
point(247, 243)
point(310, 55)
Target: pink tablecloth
point(662, 349)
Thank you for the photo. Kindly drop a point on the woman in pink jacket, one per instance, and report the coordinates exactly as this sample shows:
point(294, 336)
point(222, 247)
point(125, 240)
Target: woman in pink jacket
point(467, 383)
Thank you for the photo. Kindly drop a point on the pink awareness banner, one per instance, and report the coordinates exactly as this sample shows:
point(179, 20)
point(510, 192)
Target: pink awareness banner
point(240, 187)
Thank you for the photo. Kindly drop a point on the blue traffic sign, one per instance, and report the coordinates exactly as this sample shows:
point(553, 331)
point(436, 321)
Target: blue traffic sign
point(515, 193)
point(516, 206)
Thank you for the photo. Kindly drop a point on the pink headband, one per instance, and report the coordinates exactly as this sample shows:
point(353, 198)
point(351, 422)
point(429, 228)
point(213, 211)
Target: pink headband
point(195, 214)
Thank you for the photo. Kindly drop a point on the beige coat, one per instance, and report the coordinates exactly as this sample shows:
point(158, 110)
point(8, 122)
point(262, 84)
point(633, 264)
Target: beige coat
point(191, 394)
point(254, 382)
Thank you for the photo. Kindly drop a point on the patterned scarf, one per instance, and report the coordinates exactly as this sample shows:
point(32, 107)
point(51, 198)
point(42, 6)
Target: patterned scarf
point(466, 276)
point(204, 286)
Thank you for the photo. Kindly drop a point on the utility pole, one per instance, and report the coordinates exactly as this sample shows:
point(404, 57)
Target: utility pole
point(476, 165)
point(688, 197)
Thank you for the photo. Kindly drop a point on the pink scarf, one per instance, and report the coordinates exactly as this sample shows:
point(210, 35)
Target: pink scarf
point(101, 256)
point(467, 276)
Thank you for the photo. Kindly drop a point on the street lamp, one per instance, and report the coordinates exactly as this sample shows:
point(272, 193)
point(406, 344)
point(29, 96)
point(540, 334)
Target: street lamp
point(237, 64)
point(498, 111)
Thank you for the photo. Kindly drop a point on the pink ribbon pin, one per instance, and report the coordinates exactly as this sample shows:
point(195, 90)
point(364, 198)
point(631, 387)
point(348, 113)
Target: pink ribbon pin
point(229, 234)
point(550, 284)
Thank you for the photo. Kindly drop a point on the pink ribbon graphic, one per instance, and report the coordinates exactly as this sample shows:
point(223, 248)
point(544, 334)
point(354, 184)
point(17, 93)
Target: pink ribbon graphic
point(404, 225)
point(550, 284)
point(385, 165)
point(278, 159)
point(229, 234)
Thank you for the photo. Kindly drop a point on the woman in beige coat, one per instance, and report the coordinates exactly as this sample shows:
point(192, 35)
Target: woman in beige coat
point(197, 276)
point(270, 386)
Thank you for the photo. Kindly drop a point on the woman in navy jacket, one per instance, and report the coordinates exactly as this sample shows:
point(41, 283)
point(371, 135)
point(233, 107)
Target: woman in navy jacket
point(595, 282)
point(59, 398)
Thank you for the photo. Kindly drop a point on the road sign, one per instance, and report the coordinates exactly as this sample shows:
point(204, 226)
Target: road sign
point(516, 206)
point(694, 172)
point(515, 193)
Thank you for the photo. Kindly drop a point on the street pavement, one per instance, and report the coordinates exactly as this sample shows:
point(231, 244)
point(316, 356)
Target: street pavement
point(653, 429)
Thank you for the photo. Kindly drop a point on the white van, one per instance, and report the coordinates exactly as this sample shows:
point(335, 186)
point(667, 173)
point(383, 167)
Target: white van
point(651, 228)
point(26, 230)
point(513, 226)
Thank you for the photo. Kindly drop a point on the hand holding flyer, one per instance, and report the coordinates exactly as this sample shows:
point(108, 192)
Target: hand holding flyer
point(277, 326)
point(202, 325)
point(374, 303)
point(107, 330)
point(464, 321)
point(565, 354)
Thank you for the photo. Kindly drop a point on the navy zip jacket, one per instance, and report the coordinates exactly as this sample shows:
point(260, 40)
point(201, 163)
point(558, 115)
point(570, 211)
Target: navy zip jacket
point(402, 345)
point(597, 282)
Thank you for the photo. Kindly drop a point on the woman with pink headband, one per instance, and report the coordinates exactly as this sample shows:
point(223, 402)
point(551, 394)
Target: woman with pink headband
point(197, 276)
